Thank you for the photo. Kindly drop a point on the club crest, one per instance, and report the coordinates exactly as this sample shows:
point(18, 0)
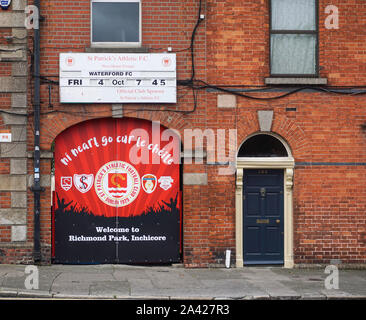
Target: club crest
point(83, 182)
point(117, 183)
point(66, 183)
point(149, 183)
point(166, 182)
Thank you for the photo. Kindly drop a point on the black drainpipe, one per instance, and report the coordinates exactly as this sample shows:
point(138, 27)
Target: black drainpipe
point(36, 188)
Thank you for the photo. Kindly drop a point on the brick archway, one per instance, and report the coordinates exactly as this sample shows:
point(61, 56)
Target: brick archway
point(287, 128)
point(169, 120)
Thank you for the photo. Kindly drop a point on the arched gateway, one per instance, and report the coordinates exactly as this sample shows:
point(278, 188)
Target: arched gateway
point(117, 193)
point(264, 230)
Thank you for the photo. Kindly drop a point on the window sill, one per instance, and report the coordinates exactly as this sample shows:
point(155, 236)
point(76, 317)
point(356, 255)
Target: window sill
point(116, 50)
point(296, 81)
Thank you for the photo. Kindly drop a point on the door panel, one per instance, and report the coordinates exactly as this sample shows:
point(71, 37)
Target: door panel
point(253, 204)
point(263, 217)
point(272, 241)
point(254, 247)
point(272, 204)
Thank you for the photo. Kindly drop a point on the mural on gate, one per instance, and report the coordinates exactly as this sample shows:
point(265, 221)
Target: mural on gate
point(117, 193)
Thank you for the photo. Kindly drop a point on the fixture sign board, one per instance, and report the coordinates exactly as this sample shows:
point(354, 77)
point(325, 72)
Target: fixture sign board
point(118, 78)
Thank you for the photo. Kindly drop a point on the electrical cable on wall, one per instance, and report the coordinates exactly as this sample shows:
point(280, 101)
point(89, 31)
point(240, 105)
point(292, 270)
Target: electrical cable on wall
point(197, 84)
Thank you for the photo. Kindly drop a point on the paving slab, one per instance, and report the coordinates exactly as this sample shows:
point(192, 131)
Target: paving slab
point(110, 288)
point(270, 283)
point(229, 273)
point(124, 275)
point(78, 283)
point(173, 279)
point(14, 279)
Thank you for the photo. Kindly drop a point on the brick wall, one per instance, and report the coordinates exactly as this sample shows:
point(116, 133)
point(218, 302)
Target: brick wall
point(231, 48)
point(164, 25)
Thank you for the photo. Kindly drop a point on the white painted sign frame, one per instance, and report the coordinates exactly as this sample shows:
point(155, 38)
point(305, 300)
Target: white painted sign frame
point(118, 78)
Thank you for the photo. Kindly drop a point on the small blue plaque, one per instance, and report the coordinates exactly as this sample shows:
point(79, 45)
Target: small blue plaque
point(5, 4)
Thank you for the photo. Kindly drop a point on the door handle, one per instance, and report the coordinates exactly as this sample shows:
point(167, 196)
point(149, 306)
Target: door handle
point(263, 192)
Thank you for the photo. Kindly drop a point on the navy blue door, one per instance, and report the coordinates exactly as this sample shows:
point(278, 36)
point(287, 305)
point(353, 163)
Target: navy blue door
point(263, 217)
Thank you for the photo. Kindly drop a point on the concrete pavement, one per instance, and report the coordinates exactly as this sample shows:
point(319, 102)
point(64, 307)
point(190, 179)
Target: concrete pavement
point(144, 282)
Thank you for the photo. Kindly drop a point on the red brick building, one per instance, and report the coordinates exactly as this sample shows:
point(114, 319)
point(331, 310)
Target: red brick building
point(285, 77)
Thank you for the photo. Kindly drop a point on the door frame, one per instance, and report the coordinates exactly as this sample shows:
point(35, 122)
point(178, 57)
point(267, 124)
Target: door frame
point(285, 163)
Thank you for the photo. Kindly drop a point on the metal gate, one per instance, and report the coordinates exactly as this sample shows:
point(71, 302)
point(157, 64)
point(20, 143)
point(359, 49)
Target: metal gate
point(117, 193)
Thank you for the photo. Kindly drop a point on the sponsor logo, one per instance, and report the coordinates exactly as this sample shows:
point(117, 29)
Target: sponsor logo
point(166, 182)
point(149, 183)
point(66, 183)
point(83, 182)
point(117, 183)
